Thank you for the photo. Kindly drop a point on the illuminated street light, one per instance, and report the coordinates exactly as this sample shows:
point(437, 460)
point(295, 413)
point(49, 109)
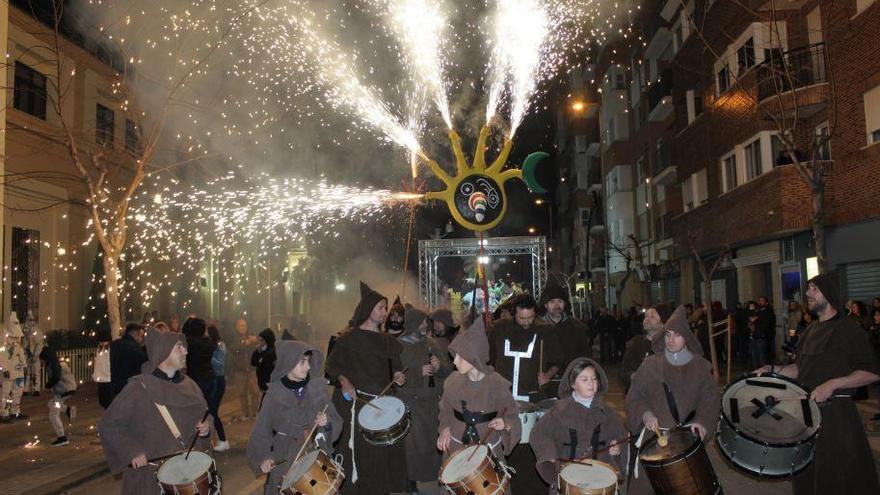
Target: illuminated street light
point(532, 230)
point(340, 287)
point(578, 106)
point(539, 201)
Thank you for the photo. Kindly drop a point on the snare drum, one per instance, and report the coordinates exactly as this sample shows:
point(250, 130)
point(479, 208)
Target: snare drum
point(587, 477)
point(314, 473)
point(768, 425)
point(386, 423)
point(196, 475)
point(680, 468)
point(474, 471)
point(529, 414)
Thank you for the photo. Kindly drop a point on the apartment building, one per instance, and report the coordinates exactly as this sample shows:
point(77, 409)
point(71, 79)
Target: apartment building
point(691, 116)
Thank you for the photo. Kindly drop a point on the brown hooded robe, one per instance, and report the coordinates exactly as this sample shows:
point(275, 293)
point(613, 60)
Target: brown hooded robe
point(551, 438)
point(691, 384)
point(423, 458)
point(843, 461)
point(368, 359)
point(489, 395)
point(132, 425)
point(285, 419)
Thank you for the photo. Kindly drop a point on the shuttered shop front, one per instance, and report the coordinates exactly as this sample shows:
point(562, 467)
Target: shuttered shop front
point(863, 281)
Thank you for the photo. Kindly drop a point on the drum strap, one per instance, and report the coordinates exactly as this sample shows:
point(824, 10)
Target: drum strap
point(573, 445)
point(673, 408)
point(169, 421)
point(594, 441)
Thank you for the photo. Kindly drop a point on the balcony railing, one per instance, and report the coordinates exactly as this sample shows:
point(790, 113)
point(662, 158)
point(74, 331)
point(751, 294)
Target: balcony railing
point(793, 69)
point(660, 89)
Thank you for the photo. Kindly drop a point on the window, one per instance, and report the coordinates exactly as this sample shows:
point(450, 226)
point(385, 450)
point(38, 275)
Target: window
point(132, 140)
point(745, 55)
point(620, 81)
point(754, 166)
point(25, 261)
point(723, 79)
point(778, 153)
point(872, 115)
point(104, 122)
point(29, 94)
point(701, 187)
point(728, 172)
point(694, 105)
point(687, 194)
point(640, 170)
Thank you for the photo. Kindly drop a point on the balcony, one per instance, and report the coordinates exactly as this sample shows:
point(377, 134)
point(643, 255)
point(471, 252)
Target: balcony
point(660, 98)
point(793, 81)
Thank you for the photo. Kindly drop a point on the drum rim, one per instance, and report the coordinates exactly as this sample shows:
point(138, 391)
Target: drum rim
point(446, 461)
point(198, 453)
point(590, 462)
point(405, 412)
point(678, 457)
point(755, 474)
point(386, 433)
point(764, 443)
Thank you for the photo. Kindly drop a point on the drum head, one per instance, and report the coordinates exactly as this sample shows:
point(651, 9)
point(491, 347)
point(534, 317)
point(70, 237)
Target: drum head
point(589, 474)
point(299, 469)
point(462, 463)
point(680, 441)
point(771, 410)
point(177, 470)
point(390, 412)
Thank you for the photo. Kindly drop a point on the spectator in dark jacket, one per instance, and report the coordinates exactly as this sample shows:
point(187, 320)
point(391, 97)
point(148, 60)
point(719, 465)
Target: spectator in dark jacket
point(263, 358)
point(126, 357)
point(200, 350)
point(763, 333)
point(61, 382)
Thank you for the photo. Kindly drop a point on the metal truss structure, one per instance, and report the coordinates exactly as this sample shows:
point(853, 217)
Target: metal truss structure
point(430, 252)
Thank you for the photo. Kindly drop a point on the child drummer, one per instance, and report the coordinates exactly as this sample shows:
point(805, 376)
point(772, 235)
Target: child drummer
point(580, 425)
point(293, 405)
point(476, 406)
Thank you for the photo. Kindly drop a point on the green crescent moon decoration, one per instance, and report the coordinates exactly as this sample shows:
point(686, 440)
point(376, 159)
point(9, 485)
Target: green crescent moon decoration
point(528, 169)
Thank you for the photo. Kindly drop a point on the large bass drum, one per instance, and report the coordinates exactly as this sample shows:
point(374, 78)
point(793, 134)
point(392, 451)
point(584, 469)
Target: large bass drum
point(768, 425)
point(682, 467)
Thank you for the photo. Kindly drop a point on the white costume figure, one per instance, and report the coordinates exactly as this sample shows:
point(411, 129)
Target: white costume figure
point(34, 342)
point(12, 366)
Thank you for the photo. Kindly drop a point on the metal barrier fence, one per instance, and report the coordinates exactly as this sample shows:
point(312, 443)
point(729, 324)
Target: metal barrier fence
point(80, 361)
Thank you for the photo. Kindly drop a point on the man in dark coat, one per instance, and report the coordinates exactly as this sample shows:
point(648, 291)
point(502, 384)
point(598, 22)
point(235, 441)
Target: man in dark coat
point(427, 364)
point(834, 358)
point(199, 351)
point(157, 414)
point(293, 404)
point(677, 364)
point(396, 314)
point(640, 346)
point(520, 344)
point(363, 362)
point(573, 334)
point(263, 358)
point(605, 326)
point(126, 357)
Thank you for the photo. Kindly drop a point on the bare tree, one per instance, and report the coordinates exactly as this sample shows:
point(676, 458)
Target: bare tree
point(779, 78)
point(631, 253)
point(707, 272)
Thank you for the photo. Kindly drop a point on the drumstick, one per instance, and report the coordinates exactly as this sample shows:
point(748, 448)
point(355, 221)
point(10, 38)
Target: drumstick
point(391, 383)
point(368, 403)
point(619, 441)
point(504, 410)
point(192, 442)
point(160, 458)
point(306, 441)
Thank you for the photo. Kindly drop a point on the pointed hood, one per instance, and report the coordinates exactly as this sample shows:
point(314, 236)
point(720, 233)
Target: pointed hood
point(13, 327)
point(288, 354)
point(677, 323)
point(552, 291)
point(159, 345)
point(473, 345)
point(829, 285)
point(412, 318)
point(369, 300)
point(565, 385)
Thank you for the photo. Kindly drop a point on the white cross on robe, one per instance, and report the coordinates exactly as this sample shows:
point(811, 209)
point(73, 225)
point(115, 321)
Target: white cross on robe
point(517, 355)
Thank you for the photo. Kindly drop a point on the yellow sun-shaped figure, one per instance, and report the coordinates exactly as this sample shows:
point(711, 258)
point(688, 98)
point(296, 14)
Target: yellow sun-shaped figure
point(475, 195)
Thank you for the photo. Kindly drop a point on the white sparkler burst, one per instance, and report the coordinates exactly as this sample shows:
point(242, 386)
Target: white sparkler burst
point(420, 26)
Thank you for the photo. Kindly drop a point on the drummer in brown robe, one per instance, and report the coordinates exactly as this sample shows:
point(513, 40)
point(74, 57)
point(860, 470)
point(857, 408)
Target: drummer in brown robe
point(580, 425)
point(427, 365)
point(640, 346)
point(363, 361)
point(133, 430)
point(573, 334)
point(476, 400)
point(292, 407)
point(834, 358)
point(528, 354)
point(693, 399)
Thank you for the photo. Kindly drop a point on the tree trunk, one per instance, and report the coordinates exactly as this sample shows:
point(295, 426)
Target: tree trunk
point(707, 289)
point(818, 187)
point(111, 278)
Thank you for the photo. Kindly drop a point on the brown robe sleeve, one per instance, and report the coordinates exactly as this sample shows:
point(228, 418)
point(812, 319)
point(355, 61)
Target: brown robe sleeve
point(503, 400)
point(114, 427)
point(260, 443)
point(709, 404)
point(542, 442)
point(860, 352)
point(445, 417)
point(336, 361)
point(637, 398)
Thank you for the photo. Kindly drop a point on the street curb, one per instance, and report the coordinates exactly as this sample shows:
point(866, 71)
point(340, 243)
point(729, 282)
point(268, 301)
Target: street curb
point(84, 475)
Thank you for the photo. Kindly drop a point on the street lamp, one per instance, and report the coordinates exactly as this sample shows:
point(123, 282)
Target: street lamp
point(532, 230)
point(539, 201)
point(578, 106)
